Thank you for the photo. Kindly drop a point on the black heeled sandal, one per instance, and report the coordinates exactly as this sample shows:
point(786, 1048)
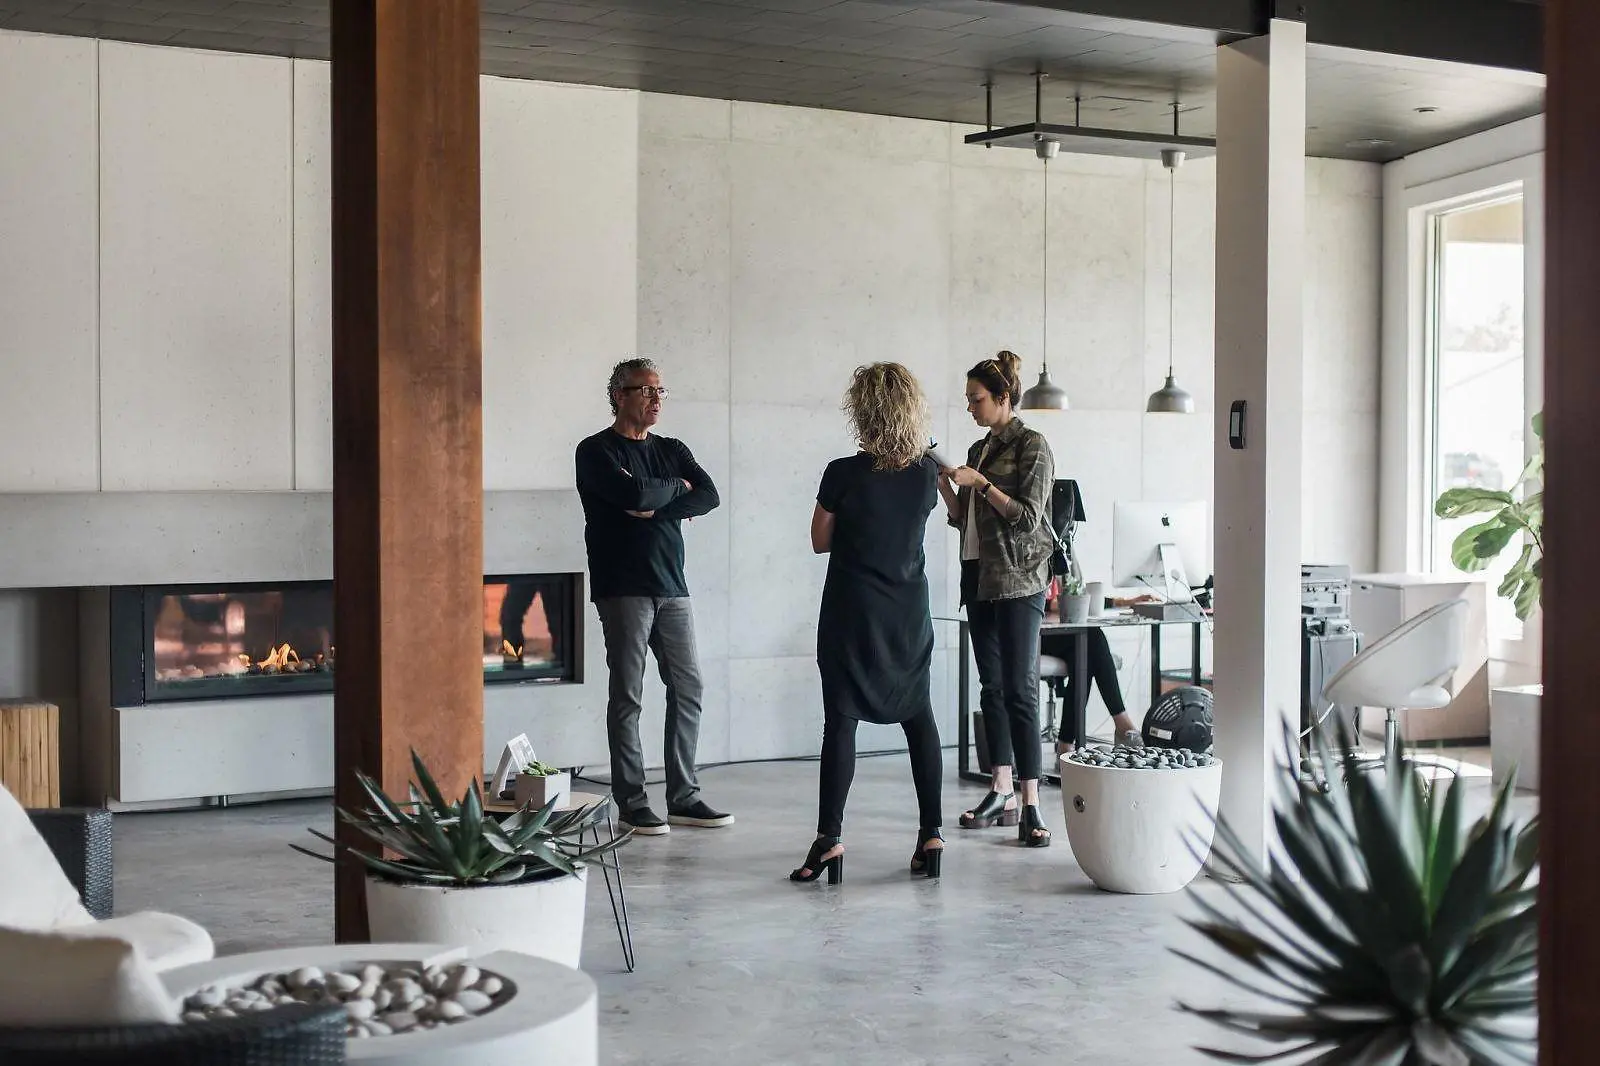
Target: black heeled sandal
point(925, 860)
point(991, 810)
point(817, 864)
point(1031, 830)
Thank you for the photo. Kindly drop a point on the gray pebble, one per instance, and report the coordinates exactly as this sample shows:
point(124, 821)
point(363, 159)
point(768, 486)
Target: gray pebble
point(474, 1001)
point(449, 1009)
point(208, 997)
point(343, 982)
point(381, 999)
point(490, 985)
point(400, 1021)
point(359, 1009)
point(379, 1029)
point(464, 976)
point(305, 977)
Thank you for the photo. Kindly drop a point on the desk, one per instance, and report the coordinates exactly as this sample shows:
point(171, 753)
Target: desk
point(619, 898)
point(1080, 670)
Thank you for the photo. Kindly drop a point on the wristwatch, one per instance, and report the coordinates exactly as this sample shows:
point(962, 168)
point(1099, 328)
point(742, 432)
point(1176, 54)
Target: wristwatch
point(984, 490)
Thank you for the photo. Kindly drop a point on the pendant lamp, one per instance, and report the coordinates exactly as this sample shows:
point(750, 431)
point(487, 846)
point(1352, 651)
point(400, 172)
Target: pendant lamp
point(1170, 398)
point(1046, 395)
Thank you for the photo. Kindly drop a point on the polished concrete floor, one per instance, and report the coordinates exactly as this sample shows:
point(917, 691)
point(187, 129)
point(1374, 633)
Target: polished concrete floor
point(1012, 957)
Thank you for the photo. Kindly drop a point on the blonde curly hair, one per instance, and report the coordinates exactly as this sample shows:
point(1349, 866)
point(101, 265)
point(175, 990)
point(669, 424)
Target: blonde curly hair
point(889, 415)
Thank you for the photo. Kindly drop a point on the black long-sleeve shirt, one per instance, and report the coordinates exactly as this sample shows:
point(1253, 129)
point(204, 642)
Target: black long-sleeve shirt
point(630, 556)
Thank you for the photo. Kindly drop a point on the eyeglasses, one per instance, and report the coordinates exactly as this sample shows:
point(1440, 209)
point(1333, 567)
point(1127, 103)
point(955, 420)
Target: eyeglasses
point(649, 392)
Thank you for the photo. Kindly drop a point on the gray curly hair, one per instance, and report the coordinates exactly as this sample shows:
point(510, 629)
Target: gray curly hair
point(620, 375)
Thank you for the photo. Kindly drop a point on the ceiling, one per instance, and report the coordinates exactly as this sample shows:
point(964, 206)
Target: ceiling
point(926, 59)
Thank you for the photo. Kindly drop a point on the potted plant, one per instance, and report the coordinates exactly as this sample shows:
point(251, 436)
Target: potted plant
point(1388, 930)
point(1514, 514)
point(539, 784)
point(1074, 598)
point(457, 876)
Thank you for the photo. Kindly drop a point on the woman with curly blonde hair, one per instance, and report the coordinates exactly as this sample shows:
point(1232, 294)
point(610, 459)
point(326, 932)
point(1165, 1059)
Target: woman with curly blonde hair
point(875, 636)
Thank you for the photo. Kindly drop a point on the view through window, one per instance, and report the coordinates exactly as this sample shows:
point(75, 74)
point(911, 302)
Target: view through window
point(1478, 408)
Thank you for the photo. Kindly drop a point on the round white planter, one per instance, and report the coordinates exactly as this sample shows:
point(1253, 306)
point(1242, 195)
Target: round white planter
point(543, 918)
point(553, 1010)
point(1139, 830)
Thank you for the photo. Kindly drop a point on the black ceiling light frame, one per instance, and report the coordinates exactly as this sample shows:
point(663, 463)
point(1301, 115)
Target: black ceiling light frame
point(1085, 140)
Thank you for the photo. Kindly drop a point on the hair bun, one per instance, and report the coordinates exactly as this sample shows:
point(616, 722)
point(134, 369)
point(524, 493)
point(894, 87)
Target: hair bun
point(1010, 362)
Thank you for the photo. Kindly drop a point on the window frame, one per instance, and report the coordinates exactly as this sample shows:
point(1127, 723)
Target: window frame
point(1423, 205)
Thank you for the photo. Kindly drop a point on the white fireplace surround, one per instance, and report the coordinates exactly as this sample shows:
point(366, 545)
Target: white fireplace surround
point(163, 753)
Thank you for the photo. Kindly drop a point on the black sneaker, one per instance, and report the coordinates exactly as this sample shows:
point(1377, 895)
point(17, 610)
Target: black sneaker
point(699, 814)
point(644, 822)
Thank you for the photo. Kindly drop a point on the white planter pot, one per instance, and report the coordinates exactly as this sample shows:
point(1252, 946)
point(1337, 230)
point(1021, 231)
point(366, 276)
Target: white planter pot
point(543, 918)
point(1075, 608)
point(1139, 830)
point(541, 790)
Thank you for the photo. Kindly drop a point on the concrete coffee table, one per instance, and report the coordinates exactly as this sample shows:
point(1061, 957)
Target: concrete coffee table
point(552, 1008)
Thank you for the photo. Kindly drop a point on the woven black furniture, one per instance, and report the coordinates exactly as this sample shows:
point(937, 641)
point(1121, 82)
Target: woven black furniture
point(80, 837)
point(296, 1035)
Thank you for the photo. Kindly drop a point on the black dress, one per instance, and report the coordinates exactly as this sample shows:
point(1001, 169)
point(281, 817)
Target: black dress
point(875, 636)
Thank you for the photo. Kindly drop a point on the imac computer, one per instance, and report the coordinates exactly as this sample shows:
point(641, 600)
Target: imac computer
point(1160, 547)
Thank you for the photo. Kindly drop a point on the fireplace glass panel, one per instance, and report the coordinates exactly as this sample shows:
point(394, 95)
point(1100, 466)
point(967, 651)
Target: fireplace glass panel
point(240, 638)
point(182, 642)
point(527, 627)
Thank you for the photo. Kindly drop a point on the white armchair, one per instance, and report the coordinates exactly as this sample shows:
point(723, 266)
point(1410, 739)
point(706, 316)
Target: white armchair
point(1408, 667)
point(37, 896)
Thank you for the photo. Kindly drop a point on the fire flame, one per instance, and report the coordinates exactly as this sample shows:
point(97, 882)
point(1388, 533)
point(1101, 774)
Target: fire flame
point(507, 649)
point(278, 658)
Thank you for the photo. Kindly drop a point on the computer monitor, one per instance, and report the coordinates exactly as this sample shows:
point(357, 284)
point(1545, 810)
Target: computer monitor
point(1160, 547)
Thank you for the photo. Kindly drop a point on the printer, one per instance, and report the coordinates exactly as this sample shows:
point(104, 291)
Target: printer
point(1328, 640)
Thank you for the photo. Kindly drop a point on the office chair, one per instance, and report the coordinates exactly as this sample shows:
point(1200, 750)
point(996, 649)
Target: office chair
point(1408, 668)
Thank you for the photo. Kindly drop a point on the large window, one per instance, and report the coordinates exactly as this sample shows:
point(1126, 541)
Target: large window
point(1475, 375)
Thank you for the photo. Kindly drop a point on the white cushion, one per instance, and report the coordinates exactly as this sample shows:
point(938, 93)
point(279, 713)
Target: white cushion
point(1052, 666)
point(166, 940)
point(56, 979)
point(34, 892)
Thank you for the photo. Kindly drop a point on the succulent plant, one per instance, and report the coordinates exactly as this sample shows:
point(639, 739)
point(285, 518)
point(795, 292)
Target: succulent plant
point(535, 768)
point(444, 843)
point(1398, 935)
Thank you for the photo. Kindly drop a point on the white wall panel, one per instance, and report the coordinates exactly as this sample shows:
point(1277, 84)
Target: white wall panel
point(196, 327)
point(48, 256)
point(313, 278)
point(838, 260)
point(560, 256)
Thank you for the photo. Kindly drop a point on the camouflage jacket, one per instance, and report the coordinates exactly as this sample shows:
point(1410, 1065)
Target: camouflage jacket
point(1013, 556)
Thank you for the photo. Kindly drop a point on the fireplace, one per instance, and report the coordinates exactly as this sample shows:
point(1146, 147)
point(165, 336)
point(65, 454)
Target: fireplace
point(224, 641)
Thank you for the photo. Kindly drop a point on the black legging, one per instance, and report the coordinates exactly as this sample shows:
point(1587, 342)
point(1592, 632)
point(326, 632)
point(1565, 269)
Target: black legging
point(1102, 668)
point(1005, 646)
point(839, 769)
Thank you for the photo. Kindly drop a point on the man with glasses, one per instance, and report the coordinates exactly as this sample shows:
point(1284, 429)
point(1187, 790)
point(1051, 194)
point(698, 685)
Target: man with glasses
point(636, 488)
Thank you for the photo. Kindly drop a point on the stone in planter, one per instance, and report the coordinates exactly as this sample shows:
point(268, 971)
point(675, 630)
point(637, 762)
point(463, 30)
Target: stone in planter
point(536, 1004)
point(543, 917)
point(1139, 829)
point(538, 791)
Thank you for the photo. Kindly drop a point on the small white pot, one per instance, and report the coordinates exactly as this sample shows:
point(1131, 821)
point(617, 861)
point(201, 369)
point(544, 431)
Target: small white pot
point(541, 790)
point(1140, 831)
point(1076, 608)
point(543, 918)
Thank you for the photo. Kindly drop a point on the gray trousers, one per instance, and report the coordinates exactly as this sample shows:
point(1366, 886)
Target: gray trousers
point(632, 624)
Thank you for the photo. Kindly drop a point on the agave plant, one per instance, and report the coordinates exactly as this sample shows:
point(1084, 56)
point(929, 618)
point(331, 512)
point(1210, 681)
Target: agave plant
point(443, 843)
point(1397, 936)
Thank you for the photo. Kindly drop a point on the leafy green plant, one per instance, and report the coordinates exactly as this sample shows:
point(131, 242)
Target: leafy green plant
point(442, 843)
point(540, 769)
point(1515, 514)
point(1072, 584)
point(1397, 936)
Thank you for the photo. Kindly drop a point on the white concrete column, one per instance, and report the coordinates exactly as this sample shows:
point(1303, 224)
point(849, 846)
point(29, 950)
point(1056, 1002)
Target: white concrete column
point(1261, 122)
